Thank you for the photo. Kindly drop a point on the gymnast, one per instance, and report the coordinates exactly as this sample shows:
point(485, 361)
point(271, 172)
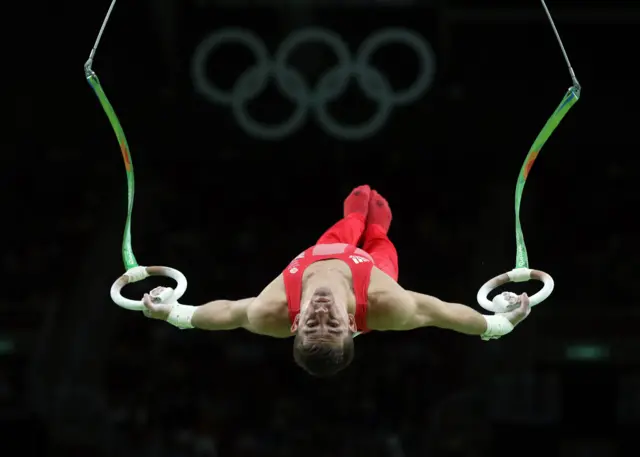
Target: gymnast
point(334, 291)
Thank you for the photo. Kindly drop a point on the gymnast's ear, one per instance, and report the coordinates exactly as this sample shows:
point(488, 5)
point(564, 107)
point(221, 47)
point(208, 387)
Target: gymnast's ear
point(294, 326)
point(352, 323)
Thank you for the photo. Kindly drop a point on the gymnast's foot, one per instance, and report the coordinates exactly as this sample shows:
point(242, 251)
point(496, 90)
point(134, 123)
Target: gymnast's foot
point(358, 201)
point(379, 212)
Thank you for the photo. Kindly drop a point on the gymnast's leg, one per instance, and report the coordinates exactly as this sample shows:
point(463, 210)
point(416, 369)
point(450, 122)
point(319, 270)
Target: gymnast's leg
point(376, 241)
point(349, 229)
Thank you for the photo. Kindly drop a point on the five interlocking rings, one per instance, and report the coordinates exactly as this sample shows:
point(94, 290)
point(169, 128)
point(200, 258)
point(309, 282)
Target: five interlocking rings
point(329, 87)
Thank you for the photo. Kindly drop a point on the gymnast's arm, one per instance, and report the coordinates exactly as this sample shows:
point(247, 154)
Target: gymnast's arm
point(428, 311)
point(262, 314)
point(400, 309)
point(215, 315)
point(222, 315)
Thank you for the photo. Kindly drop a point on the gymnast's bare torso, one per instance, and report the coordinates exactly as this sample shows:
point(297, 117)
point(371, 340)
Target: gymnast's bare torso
point(335, 290)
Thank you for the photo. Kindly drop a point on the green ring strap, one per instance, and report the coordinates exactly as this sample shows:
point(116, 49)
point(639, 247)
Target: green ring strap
point(570, 98)
point(128, 258)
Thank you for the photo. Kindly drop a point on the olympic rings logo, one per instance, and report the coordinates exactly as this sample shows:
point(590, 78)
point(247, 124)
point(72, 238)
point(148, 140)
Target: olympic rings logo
point(330, 86)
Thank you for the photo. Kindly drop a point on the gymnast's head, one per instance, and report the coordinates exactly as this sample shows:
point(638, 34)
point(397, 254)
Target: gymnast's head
point(324, 330)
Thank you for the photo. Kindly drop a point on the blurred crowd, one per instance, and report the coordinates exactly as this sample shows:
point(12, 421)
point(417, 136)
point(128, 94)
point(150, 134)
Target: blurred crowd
point(166, 393)
point(251, 406)
point(171, 394)
point(86, 378)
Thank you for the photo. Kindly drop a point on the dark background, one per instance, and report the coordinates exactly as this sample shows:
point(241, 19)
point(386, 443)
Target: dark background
point(79, 376)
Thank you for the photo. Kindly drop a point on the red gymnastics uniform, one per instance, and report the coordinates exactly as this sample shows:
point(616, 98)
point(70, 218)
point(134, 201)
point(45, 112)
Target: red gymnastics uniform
point(339, 242)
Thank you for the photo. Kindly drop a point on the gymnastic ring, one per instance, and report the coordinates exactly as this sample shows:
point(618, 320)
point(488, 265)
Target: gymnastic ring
point(499, 303)
point(138, 274)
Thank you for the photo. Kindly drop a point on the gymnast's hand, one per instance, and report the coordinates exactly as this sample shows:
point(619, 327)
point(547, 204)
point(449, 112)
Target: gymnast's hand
point(519, 307)
point(155, 303)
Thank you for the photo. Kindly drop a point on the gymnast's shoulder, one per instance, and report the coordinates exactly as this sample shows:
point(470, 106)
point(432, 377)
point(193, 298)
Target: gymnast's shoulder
point(268, 314)
point(388, 303)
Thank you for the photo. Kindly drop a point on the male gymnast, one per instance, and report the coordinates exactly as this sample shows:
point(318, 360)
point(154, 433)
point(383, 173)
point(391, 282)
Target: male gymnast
point(334, 290)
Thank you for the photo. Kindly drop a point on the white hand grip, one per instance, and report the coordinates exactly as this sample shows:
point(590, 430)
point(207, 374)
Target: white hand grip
point(516, 275)
point(139, 273)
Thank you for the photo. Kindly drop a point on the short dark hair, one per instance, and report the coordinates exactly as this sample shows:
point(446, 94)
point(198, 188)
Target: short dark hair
point(323, 359)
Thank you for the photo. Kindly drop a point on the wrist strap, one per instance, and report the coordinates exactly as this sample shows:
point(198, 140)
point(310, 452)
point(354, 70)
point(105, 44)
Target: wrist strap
point(497, 326)
point(181, 315)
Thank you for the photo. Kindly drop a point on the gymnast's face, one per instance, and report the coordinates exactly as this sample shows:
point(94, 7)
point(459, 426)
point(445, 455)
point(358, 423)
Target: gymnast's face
point(323, 318)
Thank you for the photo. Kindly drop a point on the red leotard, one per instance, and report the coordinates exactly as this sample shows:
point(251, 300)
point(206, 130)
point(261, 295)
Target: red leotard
point(359, 262)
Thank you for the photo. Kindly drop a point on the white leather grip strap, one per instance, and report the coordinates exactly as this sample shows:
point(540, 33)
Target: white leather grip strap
point(499, 304)
point(138, 274)
point(181, 316)
point(497, 326)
